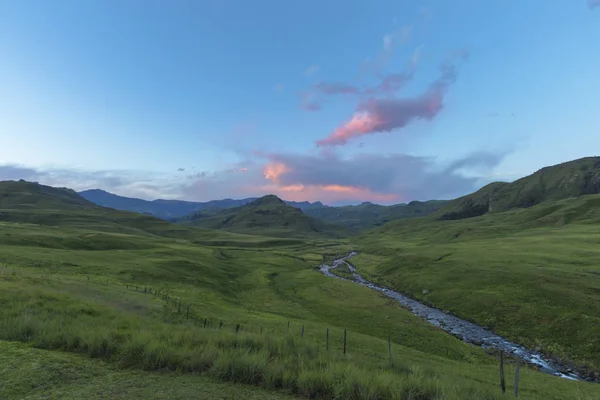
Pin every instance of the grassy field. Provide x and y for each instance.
(89, 286)
(532, 275)
(73, 298)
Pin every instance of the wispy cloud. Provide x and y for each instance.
(593, 4)
(311, 70)
(377, 115)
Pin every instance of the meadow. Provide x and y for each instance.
(69, 293)
(532, 275)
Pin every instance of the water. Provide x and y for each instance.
(467, 331)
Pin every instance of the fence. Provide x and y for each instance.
(207, 322)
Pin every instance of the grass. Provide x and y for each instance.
(268, 216)
(531, 275)
(66, 279)
(30, 373)
(75, 301)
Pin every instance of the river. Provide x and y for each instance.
(467, 331)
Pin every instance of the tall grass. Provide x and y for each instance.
(56, 321)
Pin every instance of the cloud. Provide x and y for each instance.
(309, 101)
(180, 169)
(125, 183)
(326, 177)
(390, 42)
(390, 84)
(593, 4)
(310, 71)
(376, 115)
(373, 177)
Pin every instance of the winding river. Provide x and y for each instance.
(467, 331)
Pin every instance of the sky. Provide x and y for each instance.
(339, 101)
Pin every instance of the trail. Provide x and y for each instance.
(467, 331)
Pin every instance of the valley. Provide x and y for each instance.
(245, 295)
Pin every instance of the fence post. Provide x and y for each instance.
(390, 348)
(220, 324)
(502, 382)
(517, 367)
(302, 330)
(327, 339)
(237, 328)
(187, 314)
(288, 329)
(344, 341)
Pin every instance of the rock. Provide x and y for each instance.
(425, 291)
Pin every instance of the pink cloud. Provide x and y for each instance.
(384, 115)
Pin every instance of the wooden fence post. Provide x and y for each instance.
(237, 328)
(390, 348)
(327, 339)
(302, 330)
(517, 367)
(502, 382)
(344, 341)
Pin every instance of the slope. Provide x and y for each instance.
(172, 209)
(531, 274)
(369, 215)
(31, 203)
(267, 215)
(569, 179)
(111, 308)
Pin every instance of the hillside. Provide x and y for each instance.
(530, 274)
(570, 179)
(267, 215)
(261, 320)
(369, 215)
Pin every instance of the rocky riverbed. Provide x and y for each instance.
(467, 331)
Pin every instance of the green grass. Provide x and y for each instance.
(75, 301)
(268, 216)
(66, 279)
(531, 275)
(30, 373)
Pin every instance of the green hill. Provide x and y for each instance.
(369, 215)
(569, 179)
(530, 274)
(267, 215)
(94, 292)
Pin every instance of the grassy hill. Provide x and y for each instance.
(267, 215)
(531, 274)
(93, 317)
(369, 215)
(569, 179)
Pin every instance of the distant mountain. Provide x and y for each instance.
(368, 215)
(569, 179)
(172, 209)
(268, 215)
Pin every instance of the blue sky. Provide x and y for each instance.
(339, 101)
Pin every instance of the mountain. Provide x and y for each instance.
(172, 209)
(266, 215)
(25, 195)
(569, 179)
(164, 209)
(369, 215)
